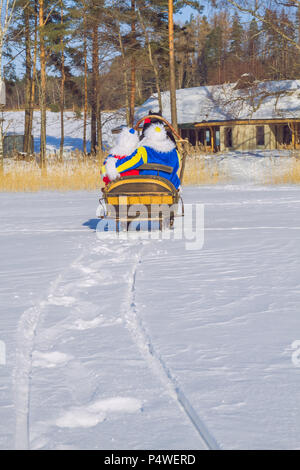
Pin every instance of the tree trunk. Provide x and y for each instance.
(62, 90)
(172, 68)
(99, 123)
(33, 78)
(85, 107)
(133, 68)
(125, 77)
(132, 92)
(28, 82)
(98, 107)
(42, 86)
(94, 100)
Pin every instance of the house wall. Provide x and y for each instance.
(244, 137)
(287, 137)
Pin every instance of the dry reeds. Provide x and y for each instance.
(200, 170)
(289, 175)
(81, 173)
(67, 176)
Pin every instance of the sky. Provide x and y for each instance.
(208, 11)
(188, 11)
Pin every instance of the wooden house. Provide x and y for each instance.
(241, 116)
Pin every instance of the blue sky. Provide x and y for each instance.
(208, 11)
(186, 13)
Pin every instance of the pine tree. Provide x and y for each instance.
(253, 45)
(95, 14)
(236, 38)
(204, 29)
(253, 39)
(79, 30)
(212, 53)
(27, 12)
(23, 36)
(287, 63)
(42, 91)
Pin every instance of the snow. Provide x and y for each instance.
(146, 344)
(73, 129)
(90, 416)
(259, 166)
(265, 100)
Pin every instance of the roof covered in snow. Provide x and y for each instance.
(261, 100)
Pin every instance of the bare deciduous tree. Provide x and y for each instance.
(258, 8)
(172, 67)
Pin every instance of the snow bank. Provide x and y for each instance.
(258, 167)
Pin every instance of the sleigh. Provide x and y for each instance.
(145, 201)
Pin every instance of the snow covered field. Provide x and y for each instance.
(144, 344)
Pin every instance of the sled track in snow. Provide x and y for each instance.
(27, 328)
(22, 372)
(158, 366)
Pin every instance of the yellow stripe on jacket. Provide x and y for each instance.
(139, 158)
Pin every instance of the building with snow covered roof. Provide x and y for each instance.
(237, 116)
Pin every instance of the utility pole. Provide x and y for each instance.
(172, 68)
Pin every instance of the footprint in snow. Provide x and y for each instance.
(50, 359)
(97, 412)
(84, 269)
(64, 300)
(88, 283)
(81, 324)
(87, 325)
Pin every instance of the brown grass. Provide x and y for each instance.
(199, 170)
(291, 175)
(84, 174)
(68, 176)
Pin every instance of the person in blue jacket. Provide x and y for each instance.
(155, 147)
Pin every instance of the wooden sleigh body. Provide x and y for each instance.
(144, 198)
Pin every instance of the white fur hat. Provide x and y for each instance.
(157, 138)
(127, 141)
